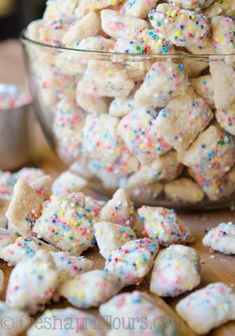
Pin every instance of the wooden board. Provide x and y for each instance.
(215, 266)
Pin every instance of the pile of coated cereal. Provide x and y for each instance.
(135, 107)
(50, 225)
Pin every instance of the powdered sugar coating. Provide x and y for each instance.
(176, 270)
(23, 247)
(164, 225)
(66, 223)
(149, 319)
(212, 305)
(132, 261)
(163, 82)
(74, 321)
(212, 155)
(119, 210)
(90, 289)
(221, 238)
(183, 119)
(70, 266)
(139, 132)
(184, 28)
(40, 275)
(117, 25)
(226, 118)
(110, 237)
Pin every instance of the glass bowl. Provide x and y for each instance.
(100, 112)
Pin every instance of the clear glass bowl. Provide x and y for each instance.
(108, 162)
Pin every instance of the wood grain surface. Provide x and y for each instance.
(215, 266)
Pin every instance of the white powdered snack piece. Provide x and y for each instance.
(132, 261)
(68, 182)
(221, 238)
(70, 266)
(40, 275)
(208, 308)
(166, 19)
(6, 238)
(19, 320)
(85, 6)
(110, 237)
(204, 87)
(141, 309)
(138, 8)
(176, 270)
(97, 43)
(91, 103)
(90, 289)
(24, 209)
(222, 34)
(139, 131)
(66, 223)
(117, 25)
(183, 119)
(88, 25)
(211, 155)
(224, 7)
(166, 168)
(105, 79)
(42, 186)
(163, 82)
(60, 9)
(226, 118)
(120, 107)
(164, 225)
(143, 41)
(22, 248)
(119, 209)
(183, 189)
(223, 77)
(68, 124)
(73, 322)
(192, 4)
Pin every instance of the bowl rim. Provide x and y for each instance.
(24, 39)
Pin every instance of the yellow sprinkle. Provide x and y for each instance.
(177, 265)
(177, 34)
(191, 28)
(139, 262)
(80, 295)
(62, 213)
(159, 44)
